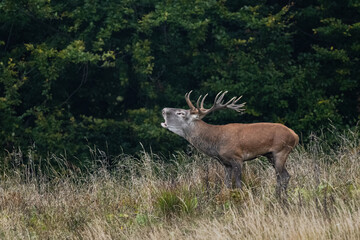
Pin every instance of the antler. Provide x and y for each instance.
(218, 104)
(187, 99)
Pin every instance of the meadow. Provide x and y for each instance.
(182, 196)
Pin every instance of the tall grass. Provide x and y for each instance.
(182, 197)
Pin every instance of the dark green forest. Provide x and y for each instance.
(83, 74)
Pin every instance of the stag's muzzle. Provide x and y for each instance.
(164, 124)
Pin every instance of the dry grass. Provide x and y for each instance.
(144, 198)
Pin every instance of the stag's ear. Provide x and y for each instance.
(195, 116)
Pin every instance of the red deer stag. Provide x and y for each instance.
(234, 143)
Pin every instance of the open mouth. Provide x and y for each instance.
(164, 124)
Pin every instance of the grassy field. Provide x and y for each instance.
(185, 198)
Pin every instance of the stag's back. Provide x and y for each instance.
(251, 140)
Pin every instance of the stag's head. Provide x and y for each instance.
(178, 120)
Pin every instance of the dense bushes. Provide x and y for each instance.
(85, 73)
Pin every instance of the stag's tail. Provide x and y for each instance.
(296, 137)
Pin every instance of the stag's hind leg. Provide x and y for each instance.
(282, 175)
(228, 176)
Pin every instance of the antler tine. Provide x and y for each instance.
(187, 99)
(197, 102)
(219, 100)
(230, 101)
(202, 101)
(237, 99)
(217, 96)
(236, 107)
(187, 95)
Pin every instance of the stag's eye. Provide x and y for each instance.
(180, 114)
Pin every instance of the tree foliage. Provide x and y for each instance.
(87, 72)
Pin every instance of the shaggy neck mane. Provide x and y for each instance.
(204, 137)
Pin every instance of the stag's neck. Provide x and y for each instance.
(204, 137)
